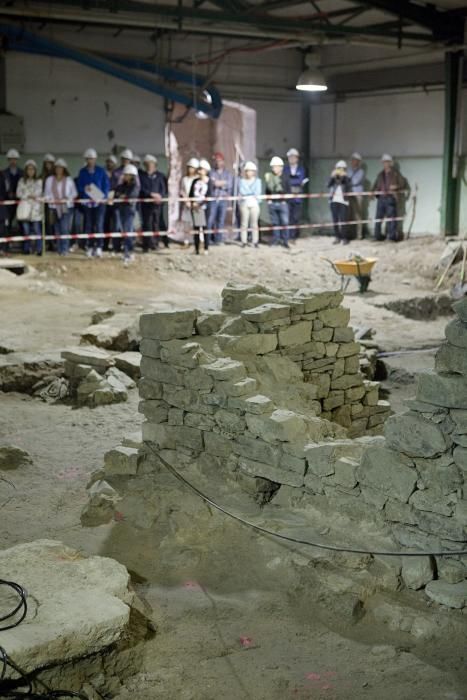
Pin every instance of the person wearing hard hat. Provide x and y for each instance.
(60, 192)
(249, 190)
(278, 183)
(12, 175)
(298, 177)
(200, 190)
(153, 187)
(111, 163)
(29, 211)
(190, 176)
(221, 188)
(356, 175)
(48, 163)
(386, 187)
(339, 187)
(3, 214)
(93, 185)
(128, 190)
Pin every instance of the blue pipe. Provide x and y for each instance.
(23, 40)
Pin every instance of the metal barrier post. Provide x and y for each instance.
(43, 229)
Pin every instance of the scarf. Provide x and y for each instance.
(58, 192)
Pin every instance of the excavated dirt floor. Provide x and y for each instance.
(230, 624)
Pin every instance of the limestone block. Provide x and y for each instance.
(373, 496)
(460, 458)
(460, 419)
(335, 399)
(344, 472)
(162, 372)
(324, 335)
(352, 364)
(150, 348)
(155, 411)
(78, 371)
(335, 318)
(348, 349)
(257, 299)
(319, 429)
(342, 416)
(133, 439)
(291, 463)
(344, 335)
(358, 426)
(273, 326)
(387, 471)
(129, 362)
(217, 445)
(100, 508)
(439, 474)
(229, 423)
(451, 570)
(318, 325)
(417, 572)
(226, 369)
(441, 526)
(356, 393)
(410, 433)
(281, 369)
(149, 388)
(209, 322)
(248, 446)
(237, 326)
(198, 380)
(12, 457)
(116, 377)
(459, 439)
(200, 421)
(171, 437)
(357, 411)
(398, 512)
(456, 333)
(453, 595)
(266, 312)
(117, 333)
(315, 351)
(184, 353)
(451, 358)
(331, 349)
(347, 381)
(376, 420)
(267, 471)
(317, 299)
(382, 406)
(233, 296)
(448, 390)
(88, 355)
(322, 383)
(460, 307)
(258, 344)
(281, 425)
(372, 397)
(121, 460)
(175, 416)
(433, 502)
(326, 364)
(296, 334)
(258, 404)
(165, 325)
(339, 368)
(322, 456)
(242, 388)
(79, 606)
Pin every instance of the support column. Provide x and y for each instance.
(452, 129)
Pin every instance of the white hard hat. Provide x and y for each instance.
(112, 159)
(49, 158)
(292, 152)
(29, 162)
(12, 153)
(275, 160)
(148, 158)
(127, 154)
(386, 157)
(341, 164)
(90, 153)
(136, 158)
(205, 164)
(130, 170)
(61, 162)
(356, 156)
(249, 165)
(193, 163)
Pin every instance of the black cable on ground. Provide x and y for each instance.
(294, 540)
(21, 606)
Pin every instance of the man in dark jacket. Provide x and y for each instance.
(3, 246)
(298, 177)
(387, 184)
(277, 182)
(12, 175)
(153, 186)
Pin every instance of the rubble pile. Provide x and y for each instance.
(93, 378)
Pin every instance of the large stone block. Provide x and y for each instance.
(417, 571)
(335, 318)
(150, 348)
(460, 307)
(451, 358)
(387, 471)
(267, 471)
(266, 312)
(226, 369)
(348, 349)
(317, 299)
(347, 381)
(453, 595)
(439, 474)
(281, 425)
(198, 380)
(121, 460)
(117, 333)
(433, 502)
(460, 419)
(88, 355)
(162, 372)
(129, 362)
(460, 457)
(322, 456)
(410, 433)
(456, 333)
(165, 325)
(234, 295)
(217, 445)
(229, 423)
(237, 325)
(170, 437)
(209, 322)
(296, 334)
(183, 353)
(260, 451)
(448, 390)
(155, 411)
(253, 344)
(344, 335)
(149, 388)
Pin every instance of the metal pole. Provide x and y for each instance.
(43, 230)
(452, 110)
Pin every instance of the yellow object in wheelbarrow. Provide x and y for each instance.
(357, 267)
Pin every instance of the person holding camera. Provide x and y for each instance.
(339, 186)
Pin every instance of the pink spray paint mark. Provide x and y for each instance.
(69, 474)
(313, 677)
(246, 642)
(118, 517)
(192, 586)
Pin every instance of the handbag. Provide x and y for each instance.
(24, 210)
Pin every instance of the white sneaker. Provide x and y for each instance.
(126, 262)
(131, 258)
(99, 252)
(206, 252)
(89, 252)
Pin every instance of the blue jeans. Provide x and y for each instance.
(216, 219)
(62, 229)
(340, 215)
(279, 214)
(128, 218)
(295, 215)
(32, 228)
(94, 223)
(386, 209)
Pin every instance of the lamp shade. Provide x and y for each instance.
(311, 80)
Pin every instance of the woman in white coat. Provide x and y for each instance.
(30, 211)
(60, 193)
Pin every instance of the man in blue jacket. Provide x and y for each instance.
(298, 178)
(93, 185)
(153, 186)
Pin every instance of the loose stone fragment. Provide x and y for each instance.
(417, 571)
(453, 595)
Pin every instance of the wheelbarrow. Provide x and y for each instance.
(354, 267)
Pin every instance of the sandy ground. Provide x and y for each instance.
(246, 638)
